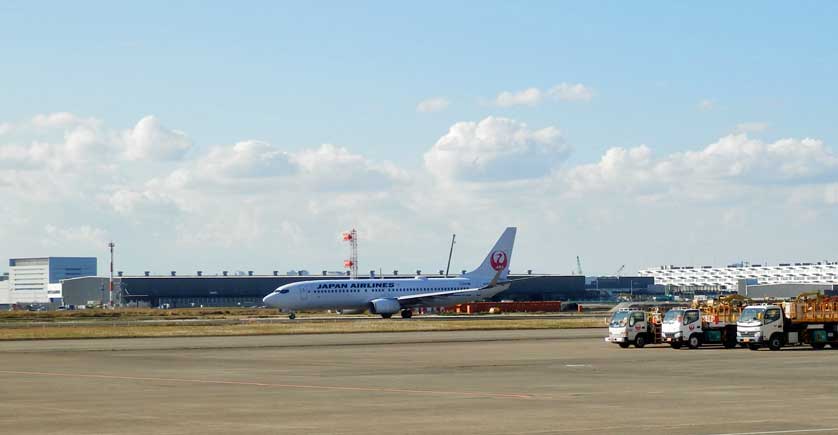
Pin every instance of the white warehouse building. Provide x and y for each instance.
(37, 280)
(729, 277)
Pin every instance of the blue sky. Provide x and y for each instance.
(674, 77)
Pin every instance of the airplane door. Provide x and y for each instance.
(304, 292)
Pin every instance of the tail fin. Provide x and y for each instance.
(496, 263)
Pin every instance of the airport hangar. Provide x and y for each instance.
(176, 291)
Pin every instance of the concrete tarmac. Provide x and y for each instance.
(488, 382)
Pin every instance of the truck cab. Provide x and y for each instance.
(696, 327)
(631, 326)
(759, 325)
(682, 325)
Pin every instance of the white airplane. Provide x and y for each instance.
(390, 296)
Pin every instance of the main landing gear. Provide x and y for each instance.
(406, 314)
(292, 316)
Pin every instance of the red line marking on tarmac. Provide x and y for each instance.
(265, 384)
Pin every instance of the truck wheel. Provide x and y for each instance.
(818, 346)
(694, 341)
(775, 342)
(624, 344)
(640, 341)
(729, 344)
(753, 346)
(675, 345)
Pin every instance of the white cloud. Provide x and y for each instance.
(571, 92)
(149, 140)
(149, 199)
(247, 159)
(751, 127)
(435, 104)
(59, 120)
(733, 162)
(84, 235)
(831, 194)
(262, 206)
(533, 96)
(495, 149)
(706, 104)
(60, 141)
(336, 168)
(527, 97)
(252, 165)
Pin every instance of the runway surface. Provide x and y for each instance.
(490, 382)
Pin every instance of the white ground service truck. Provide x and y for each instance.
(809, 319)
(692, 327)
(633, 326)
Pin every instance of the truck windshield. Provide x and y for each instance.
(619, 319)
(751, 314)
(673, 316)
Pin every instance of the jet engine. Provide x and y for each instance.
(351, 311)
(385, 306)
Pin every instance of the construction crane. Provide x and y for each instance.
(578, 266)
(617, 273)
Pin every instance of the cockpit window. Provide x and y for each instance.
(283, 291)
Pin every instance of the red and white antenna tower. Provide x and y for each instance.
(352, 262)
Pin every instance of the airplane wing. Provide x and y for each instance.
(436, 297)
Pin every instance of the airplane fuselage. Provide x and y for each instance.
(356, 294)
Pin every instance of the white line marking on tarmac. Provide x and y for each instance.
(780, 431)
(265, 384)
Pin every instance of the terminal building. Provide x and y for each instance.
(733, 277)
(176, 291)
(57, 281)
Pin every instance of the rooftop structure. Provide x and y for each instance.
(728, 277)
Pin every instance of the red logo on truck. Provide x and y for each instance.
(498, 260)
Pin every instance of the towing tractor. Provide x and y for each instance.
(633, 326)
(707, 322)
(811, 319)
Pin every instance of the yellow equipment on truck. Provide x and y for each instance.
(811, 318)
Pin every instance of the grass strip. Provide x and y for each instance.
(324, 327)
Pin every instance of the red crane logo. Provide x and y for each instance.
(498, 260)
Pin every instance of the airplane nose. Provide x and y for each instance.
(267, 299)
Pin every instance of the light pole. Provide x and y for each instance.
(110, 279)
